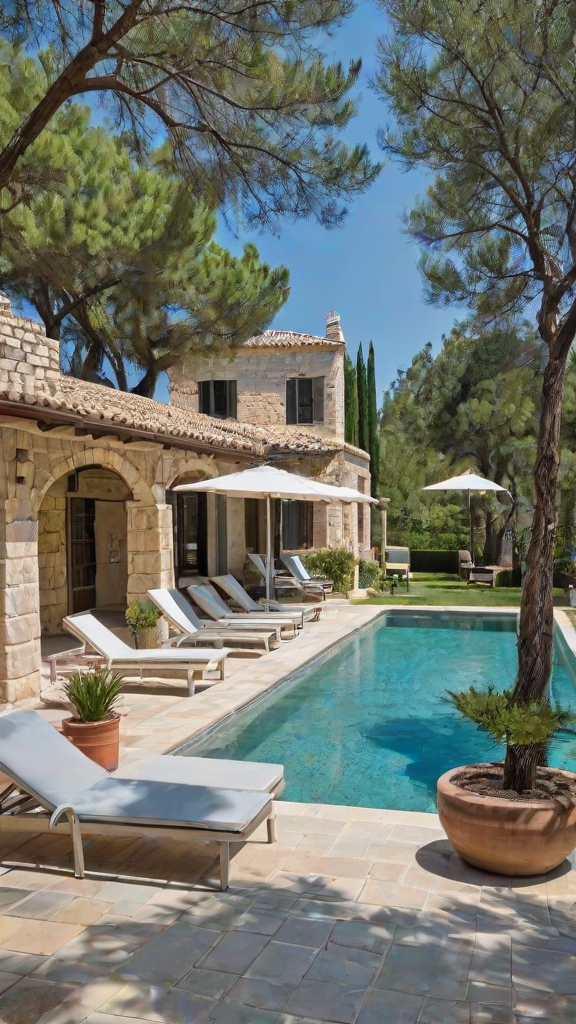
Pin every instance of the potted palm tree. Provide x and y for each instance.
(142, 619)
(496, 816)
(95, 725)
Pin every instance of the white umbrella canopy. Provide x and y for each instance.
(468, 482)
(269, 482)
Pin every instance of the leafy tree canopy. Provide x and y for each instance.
(119, 261)
(240, 88)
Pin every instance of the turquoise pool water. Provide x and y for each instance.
(369, 726)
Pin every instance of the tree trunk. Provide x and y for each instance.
(71, 82)
(535, 635)
(146, 386)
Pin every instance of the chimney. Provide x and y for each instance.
(333, 328)
(29, 361)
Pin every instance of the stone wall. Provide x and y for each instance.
(261, 375)
(52, 559)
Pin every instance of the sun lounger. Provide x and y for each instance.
(235, 590)
(179, 613)
(282, 581)
(311, 584)
(54, 788)
(117, 655)
(482, 574)
(212, 604)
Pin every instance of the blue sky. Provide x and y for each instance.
(367, 269)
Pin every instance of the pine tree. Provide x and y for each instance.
(362, 400)
(373, 432)
(240, 89)
(120, 263)
(350, 402)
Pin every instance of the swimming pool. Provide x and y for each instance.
(369, 725)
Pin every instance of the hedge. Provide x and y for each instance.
(434, 561)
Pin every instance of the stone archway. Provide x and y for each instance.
(82, 545)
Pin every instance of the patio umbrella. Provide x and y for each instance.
(467, 482)
(269, 482)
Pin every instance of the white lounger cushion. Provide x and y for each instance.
(210, 602)
(40, 760)
(236, 591)
(205, 771)
(161, 804)
(113, 648)
(178, 612)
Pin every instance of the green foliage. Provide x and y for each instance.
(369, 575)
(350, 402)
(256, 130)
(373, 433)
(93, 694)
(120, 263)
(336, 564)
(505, 720)
(362, 386)
(142, 615)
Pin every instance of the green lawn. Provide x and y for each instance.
(439, 589)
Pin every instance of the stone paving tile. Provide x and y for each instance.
(334, 965)
(443, 1011)
(282, 962)
(81, 911)
(156, 1003)
(214, 984)
(440, 973)
(28, 1000)
(262, 994)
(171, 955)
(41, 905)
(10, 896)
(303, 932)
(370, 937)
(327, 1000)
(29, 936)
(235, 952)
(390, 1008)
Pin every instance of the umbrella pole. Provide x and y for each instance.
(269, 553)
(471, 525)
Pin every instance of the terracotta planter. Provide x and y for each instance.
(507, 837)
(100, 741)
(148, 638)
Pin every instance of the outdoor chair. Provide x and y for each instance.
(117, 655)
(210, 602)
(179, 613)
(55, 788)
(464, 564)
(397, 563)
(482, 574)
(282, 580)
(311, 584)
(237, 593)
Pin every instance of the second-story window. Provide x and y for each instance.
(218, 398)
(305, 400)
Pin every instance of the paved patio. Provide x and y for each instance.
(355, 915)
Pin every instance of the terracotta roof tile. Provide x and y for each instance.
(289, 339)
(118, 408)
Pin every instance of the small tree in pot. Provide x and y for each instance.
(95, 727)
(142, 620)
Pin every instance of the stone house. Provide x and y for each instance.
(88, 517)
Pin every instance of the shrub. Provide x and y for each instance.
(142, 615)
(369, 575)
(93, 694)
(509, 578)
(336, 564)
(506, 720)
(434, 561)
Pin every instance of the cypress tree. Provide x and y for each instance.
(373, 434)
(350, 402)
(362, 400)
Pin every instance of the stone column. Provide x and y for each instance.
(149, 543)
(384, 503)
(19, 606)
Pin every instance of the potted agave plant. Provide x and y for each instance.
(493, 820)
(95, 725)
(142, 620)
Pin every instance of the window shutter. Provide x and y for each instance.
(204, 396)
(232, 399)
(291, 403)
(318, 400)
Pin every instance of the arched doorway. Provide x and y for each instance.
(82, 545)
